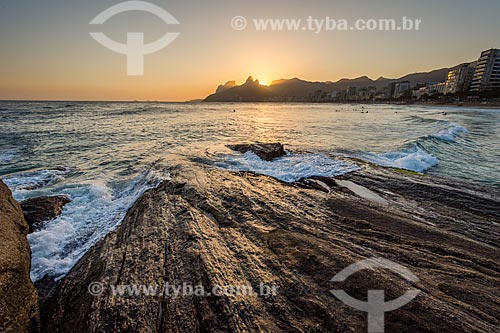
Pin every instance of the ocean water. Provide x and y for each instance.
(105, 155)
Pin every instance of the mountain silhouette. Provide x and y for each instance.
(297, 90)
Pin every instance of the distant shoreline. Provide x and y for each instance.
(488, 105)
(479, 105)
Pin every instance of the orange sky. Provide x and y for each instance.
(47, 52)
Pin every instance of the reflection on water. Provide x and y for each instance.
(108, 138)
(103, 155)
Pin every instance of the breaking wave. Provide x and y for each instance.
(450, 132)
(31, 180)
(289, 168)
(95, 209)
(413, 158)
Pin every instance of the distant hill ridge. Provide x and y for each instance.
(300, 90)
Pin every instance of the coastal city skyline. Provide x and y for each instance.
(51, 56)
(469, 81)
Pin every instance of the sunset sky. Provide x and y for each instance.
(47, 52)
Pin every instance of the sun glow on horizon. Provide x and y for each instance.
(57, 59)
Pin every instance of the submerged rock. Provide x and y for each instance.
(39, 210)
(266, 151)
(211, 227)
(18, 296)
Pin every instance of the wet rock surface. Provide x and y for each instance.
(40, 210)
(266, 151)
(18, 296)
(212, 227)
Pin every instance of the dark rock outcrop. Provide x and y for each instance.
(211, 227)
(39, 210)
(18, 296)
(266, 151)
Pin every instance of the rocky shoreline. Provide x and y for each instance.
(38, 211)
(211, 227)
(19, 310)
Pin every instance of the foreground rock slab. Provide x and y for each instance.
(266, 151)
(39, 210)
(216, 228)
(18, 296)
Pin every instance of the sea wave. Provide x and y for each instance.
(450, 132)
(289, 168)
(8, 155)
(95, 210)
(34, 179)
(443, 130)
(413, 158)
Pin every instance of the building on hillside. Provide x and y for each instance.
(352, 94)
(363, 94)
(420, 92)
(381, 95)
(372, 92)
(437, 88)
(487, 74)
(459, 79)
(390, 90)
(400, 88)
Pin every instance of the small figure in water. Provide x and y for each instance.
(234, 110)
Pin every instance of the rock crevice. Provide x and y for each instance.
(211, 227)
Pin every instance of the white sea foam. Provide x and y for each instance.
(414, 158)
(95, 210)
(450, 132)
(288, 168)
(34, 179)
